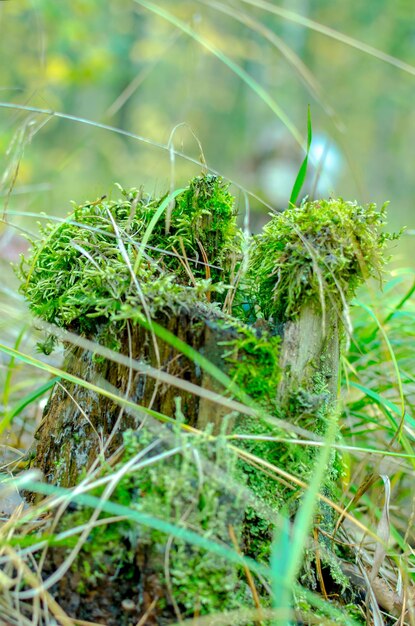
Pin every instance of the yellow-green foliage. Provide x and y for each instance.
(92, 265)
(324, 247)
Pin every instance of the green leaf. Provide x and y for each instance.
(24, 402)
(281, 556)
(299, 181)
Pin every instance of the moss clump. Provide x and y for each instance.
(254, 365)
(173, 490)
(254, 361)
(203, 221)
(93, 264)
(253, 357)
(93, 272)
(326, 246)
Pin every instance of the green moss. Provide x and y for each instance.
(254, 365)
(91, 266)
(203, 221)
(313, 615)
(253, 358)
(326, 246)
(174, 490)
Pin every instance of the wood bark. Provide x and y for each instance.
(310, 346)
(77, 422)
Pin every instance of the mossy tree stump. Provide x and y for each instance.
(77, 423)
(116, 267)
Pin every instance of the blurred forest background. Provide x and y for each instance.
(125, 65)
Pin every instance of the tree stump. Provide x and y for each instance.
(177, 261)
(77, 423)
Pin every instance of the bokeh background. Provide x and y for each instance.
(226, 82)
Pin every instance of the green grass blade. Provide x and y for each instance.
(391, 352)
(299, 181)
(129, 134)
(221, 377)
(24, 402)
(205, 543)
(281, 551)
(304, 517)
(401, 303)
(10, 369)
(383, 402)
(278, 44)
(389, 407)
(148, 520)
(157, 215)
(46, 367)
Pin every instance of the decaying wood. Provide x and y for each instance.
(310, 346)
(77, 422)
(80, 427)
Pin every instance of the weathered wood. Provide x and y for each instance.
(77, 423)
(310, 346)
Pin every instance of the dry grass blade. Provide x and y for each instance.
(249, 578)
(288, 53)
(383, 531)
(132, 87)
(247, 616)
(239, 71)
(37, 586)
(375, 613)
(22, 137)
(125, 133)
(278, 473)
(333, 34)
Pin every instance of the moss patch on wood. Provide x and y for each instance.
(179, 489)
(93, 266)
(322, 250)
